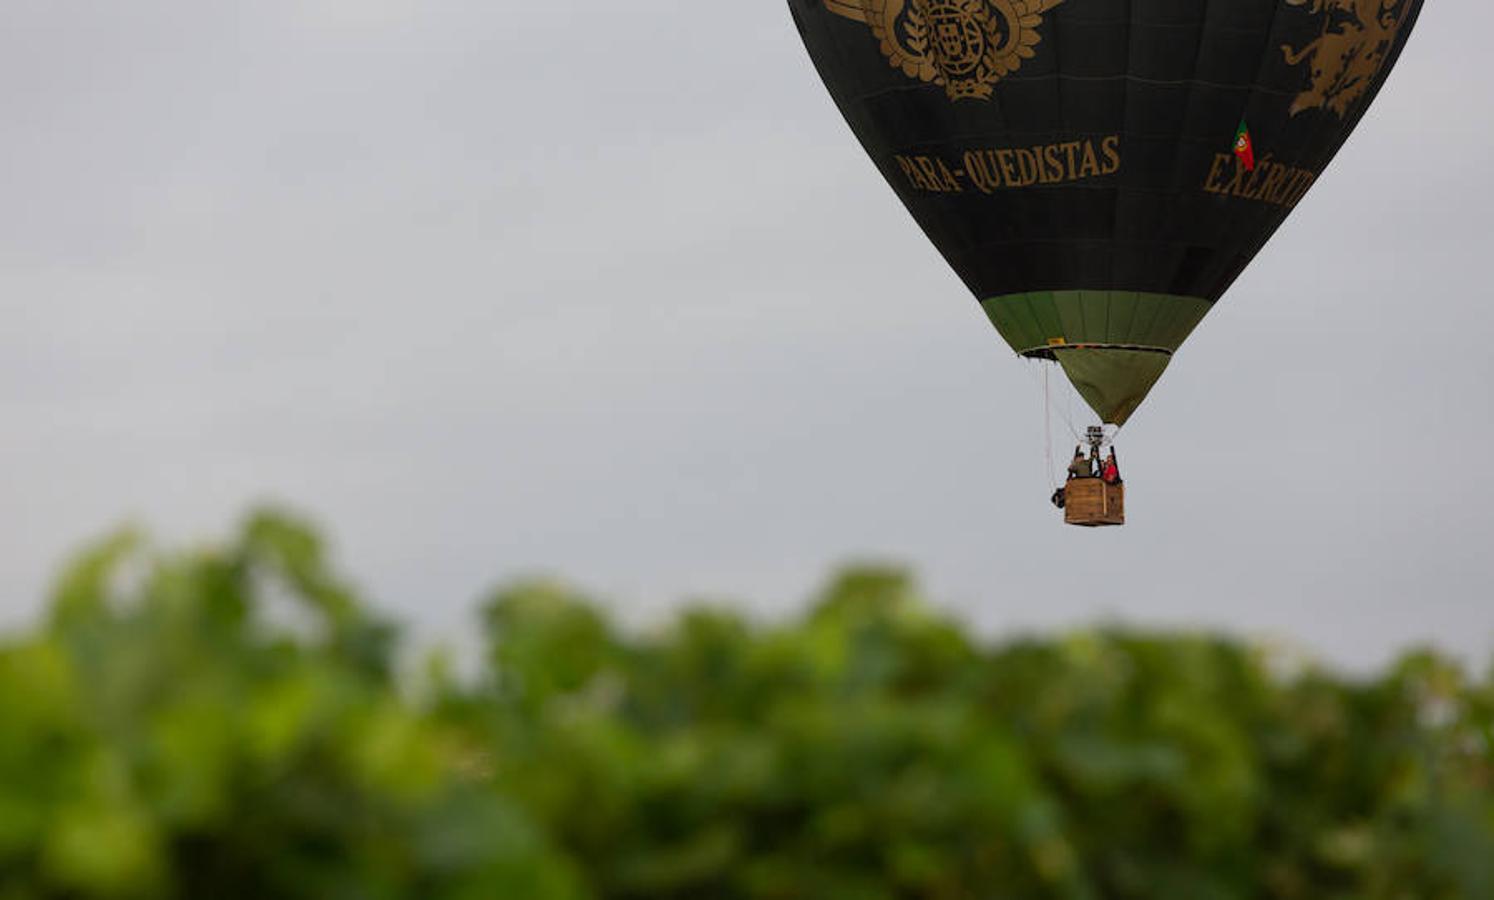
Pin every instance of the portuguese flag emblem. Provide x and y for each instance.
(1244, 147)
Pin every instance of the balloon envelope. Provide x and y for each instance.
(1098, 172)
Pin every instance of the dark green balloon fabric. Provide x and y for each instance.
(1076, 161)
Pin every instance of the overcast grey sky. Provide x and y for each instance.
(608, 290)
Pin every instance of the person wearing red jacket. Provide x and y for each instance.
(1111, 472)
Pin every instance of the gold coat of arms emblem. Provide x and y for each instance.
(1348, 54)
(966, 46)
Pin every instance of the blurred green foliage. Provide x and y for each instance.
(237, 723)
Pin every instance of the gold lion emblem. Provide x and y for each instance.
(966, 46)
(1349, 53)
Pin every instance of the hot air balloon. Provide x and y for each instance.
(1099, 172)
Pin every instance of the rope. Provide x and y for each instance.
(1050, 406)
(1048, 432)
(1068, 413)
(1068, 407)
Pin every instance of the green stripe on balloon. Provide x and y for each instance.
(1113, 345)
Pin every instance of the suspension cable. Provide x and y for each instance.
(1050, 408)
(1048, 432)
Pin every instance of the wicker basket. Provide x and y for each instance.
(1091, 502)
